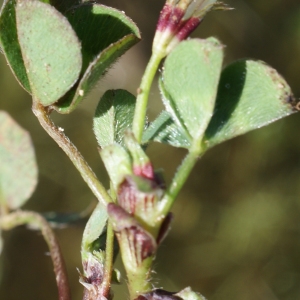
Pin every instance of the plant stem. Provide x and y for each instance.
(36, 221)
(109, 256)
(72, 152)
(109, 251)
(143, 95)
(179, 179)
(139, 279)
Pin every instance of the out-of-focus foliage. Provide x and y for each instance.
(18, 169)
(236, 232)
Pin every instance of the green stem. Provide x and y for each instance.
(143, 95)
(72, 152)
(139, 279)
(179, 179)
(109, 256)
(109, 252)
(36, 221)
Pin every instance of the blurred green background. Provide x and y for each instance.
(236, 232)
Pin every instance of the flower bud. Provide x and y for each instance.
(93, 266)
(178, 19)
(140, 196)
(136, 243)
(136, 218)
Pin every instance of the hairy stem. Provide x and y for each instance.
(139, 279)
(72, 152)
(143, 95)
(36, 221)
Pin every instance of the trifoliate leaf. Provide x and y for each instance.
(106, 34)
(10, 43)
(189, 83)
(50, 49)
(251, 95)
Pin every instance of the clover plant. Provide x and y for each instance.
(58, 51)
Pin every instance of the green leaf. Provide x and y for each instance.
(18, 168)
(164, 130)
(114, 115)
(251, 95)
(105, 34)
(94, 228)
(59, 220)
(50, 49)
(98, 26)
(189, 83)
(10, 44)
(92, 75)
(117, 163)
(140, 161)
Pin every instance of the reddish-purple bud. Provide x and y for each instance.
(164, 17)
(136, 243)
(175, 19)
(187, 28)
(144, 171)
(178, 19)
(139, 196)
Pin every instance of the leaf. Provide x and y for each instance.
(10, 44)
(189, 83)
(92, 75)
(250, 95)
(98, 26)
(164, 130)
(141, 163)
(94, 228)
(50, 49)
(60, 220)
(117, 163)
(114, 114)
(105, 34)
(18, 168)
